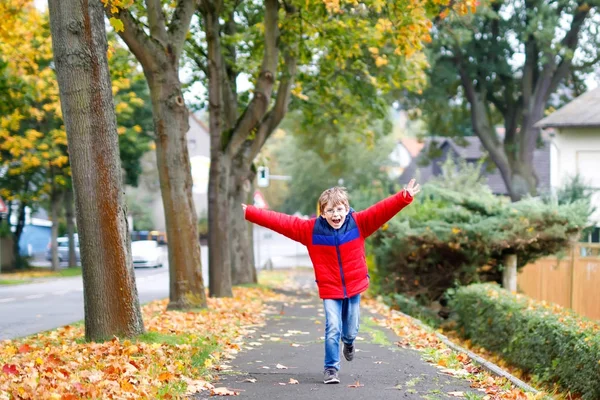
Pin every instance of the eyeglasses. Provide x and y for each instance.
(339, 210)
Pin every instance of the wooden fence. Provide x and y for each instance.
(571, 281)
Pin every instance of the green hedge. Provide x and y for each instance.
(552, 343)
(411, 307)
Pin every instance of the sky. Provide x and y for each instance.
(41, 4)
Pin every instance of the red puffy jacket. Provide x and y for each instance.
(338, 255)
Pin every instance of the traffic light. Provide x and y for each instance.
(262, 178)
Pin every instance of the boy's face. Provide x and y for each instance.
(335, 214)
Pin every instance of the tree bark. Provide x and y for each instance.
(540, 79)
(70, 214)
(174, 171)
(55, 199)
(243, 270)
(234, 147)
(19, 261)
(159, 54)
(219, 256)
(80, 53)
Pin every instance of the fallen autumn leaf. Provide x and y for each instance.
(356, 384)
(223, 391)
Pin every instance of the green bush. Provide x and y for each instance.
(411, 307)
(457, 232)
(554, 344)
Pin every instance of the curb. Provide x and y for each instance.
(480, 360)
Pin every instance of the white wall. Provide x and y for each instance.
(577, 151)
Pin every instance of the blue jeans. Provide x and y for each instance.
(341, 320)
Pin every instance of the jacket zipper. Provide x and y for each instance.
(337, 249)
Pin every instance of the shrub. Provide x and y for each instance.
(457, 232)
(553, 343)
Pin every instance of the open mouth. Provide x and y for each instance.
(336, 220)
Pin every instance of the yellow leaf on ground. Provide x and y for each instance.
(223, 391)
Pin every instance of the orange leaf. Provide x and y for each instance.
(25, 348)
(10, 369)
(357, 384)
(165, 377)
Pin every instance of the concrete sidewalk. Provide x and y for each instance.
(290, 348)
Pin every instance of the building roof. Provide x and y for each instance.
(583, 112)
(413, 145)
(472, 151)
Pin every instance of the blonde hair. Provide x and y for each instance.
(336, 195)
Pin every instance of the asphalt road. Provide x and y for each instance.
(36, 307)
(290, 347)
(31, 308)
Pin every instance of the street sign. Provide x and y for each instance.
(3, 208)
(262, 177)
(259, 200)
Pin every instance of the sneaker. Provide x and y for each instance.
(331, 376)
(349, 351)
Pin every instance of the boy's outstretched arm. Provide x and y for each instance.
(374, 217)
(295, 228)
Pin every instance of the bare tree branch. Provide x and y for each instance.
(230, 98)
(141, 45)
(276, 114)
(210, 13)
(200, 63)
(264, 86)
(156, 21)
(480, 120)
(570, 41)
(179, 25)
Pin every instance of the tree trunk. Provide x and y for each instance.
(219, 255)
(80, 53)
(19, 261)
(55, 199)
(70, 214)
(235, 141)
(174, 171)
(158, 50)
(243, 270)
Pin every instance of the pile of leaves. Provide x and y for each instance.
(174, 358)
(457, 232)
(543, 339)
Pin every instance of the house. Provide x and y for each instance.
(469, 148)
(148, 193)
(574, 132)
(402, 155)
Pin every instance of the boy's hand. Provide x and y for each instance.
(244, 206)
(412, 188)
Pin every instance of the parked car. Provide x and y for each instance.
(147, 253)
(63, 249)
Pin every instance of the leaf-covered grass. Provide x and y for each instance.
(177, 355)
(10, 281)
(32, 273)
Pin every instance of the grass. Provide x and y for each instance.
(378, 336)
(10, 282)
(30, 274)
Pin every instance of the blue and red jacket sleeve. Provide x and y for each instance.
(295, 228)
(374, 217)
